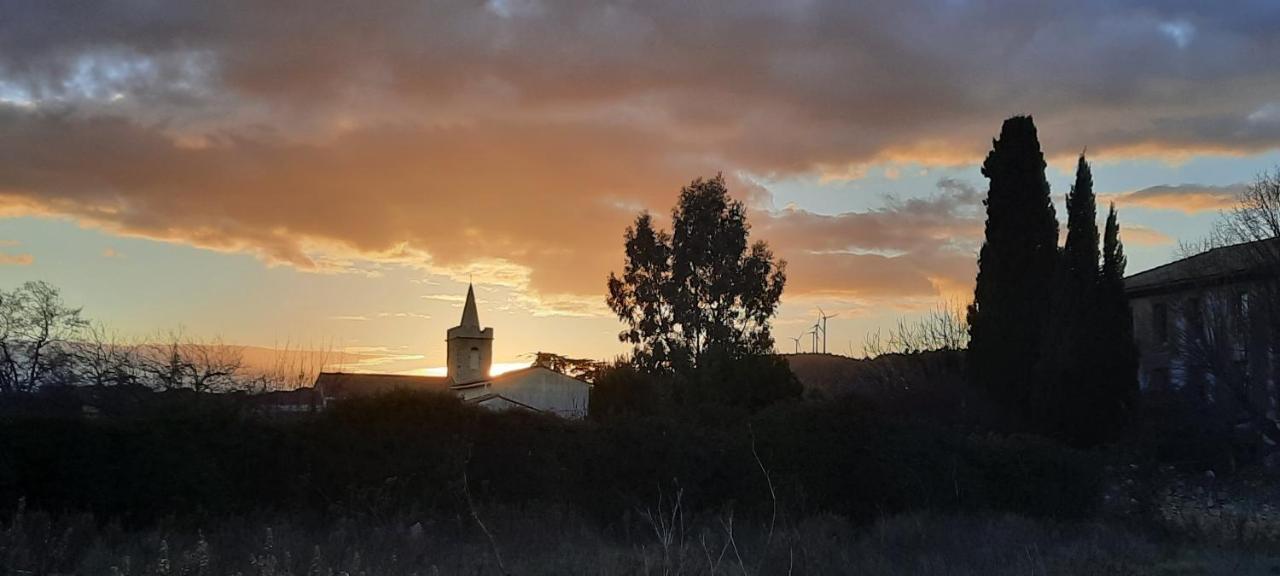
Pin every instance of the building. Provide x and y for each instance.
(282, 402)
(1204, 327)
(469, 359)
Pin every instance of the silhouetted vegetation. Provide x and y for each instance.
(1085, 387)
(584, 369)
(1227, 335)
(1116, 395)
(702, 291)
(942, 328)
(1051, 336)
(37, 331)
(552, 541)
(697, 305)
(1015, 269)
(698, 445)
(44, 343)
(408, 453)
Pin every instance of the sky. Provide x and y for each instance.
(331, 174)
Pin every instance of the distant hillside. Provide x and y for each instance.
(831, 375)
(827, 374)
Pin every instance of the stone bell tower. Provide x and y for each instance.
(470, 347)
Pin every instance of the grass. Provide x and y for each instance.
(540, 540)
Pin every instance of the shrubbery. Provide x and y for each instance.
(408, 452)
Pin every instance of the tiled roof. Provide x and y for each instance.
(1216, 265)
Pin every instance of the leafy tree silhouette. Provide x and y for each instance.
(704, 289)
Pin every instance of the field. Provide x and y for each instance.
(548, 540)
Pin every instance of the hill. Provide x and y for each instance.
(828, 375)
(888, 375)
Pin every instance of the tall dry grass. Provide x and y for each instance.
(661, 540)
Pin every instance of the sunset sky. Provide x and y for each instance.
(331, 174)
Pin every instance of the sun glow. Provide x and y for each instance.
(496, 369)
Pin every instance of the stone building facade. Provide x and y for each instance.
(1205, 329)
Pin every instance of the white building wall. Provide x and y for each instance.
(545, 390)
(538, 388)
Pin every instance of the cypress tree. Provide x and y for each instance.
(1015, 268)
(1080, 251)
(1113, 260)
(1069, 359)
(1119, 384)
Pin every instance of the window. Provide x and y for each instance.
(1160, 322)
(475, 358)
(1242, 307)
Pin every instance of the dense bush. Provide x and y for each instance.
(407, 452)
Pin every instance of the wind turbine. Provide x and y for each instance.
(823, 317)
(796, 339)
(814, 332)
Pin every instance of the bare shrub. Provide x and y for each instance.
(36, 332)
(177, 361)
(1227, 334)
(941, 328)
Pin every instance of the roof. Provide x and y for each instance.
(1219, 265)
(284, 397)
(490, 397)
(336, 384)
(469, 327)
(507, 376)
(470, 317)
(333, 384)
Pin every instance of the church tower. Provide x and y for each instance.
(470, 348)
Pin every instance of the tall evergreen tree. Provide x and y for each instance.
(1119, 387)
(1080, 251)
(1068, 368)
(1015, 267)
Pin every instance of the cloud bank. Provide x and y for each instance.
(516, 138)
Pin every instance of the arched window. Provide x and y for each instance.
(475, 358)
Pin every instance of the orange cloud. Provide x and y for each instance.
(7, 259)
(1186, 198)
(1143, 236)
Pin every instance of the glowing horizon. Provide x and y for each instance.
(498, 368)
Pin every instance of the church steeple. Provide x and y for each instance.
(470, 346)
(470, 317)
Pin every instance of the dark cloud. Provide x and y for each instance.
(768, 86)
(916, 247)
(455, 133)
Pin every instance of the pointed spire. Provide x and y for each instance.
(469, 315)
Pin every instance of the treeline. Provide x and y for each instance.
(421, 454)
(1051, 335)
(1048, 336)
(44, 343)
